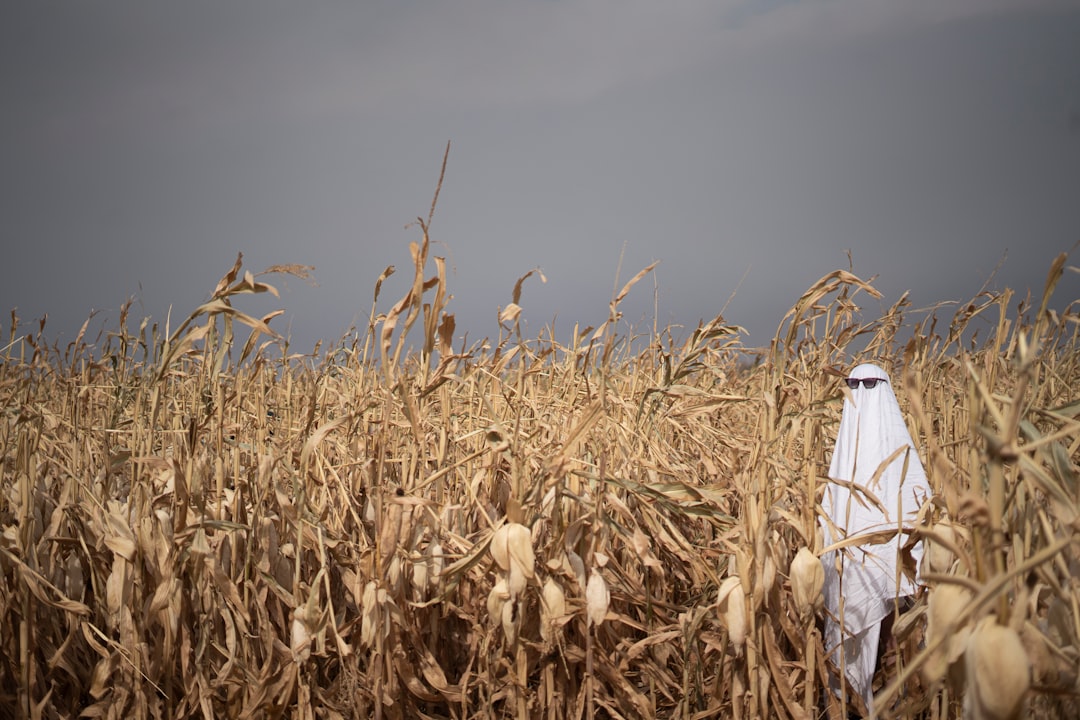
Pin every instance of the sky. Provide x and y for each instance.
(750, 147)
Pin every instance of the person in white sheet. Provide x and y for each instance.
(868, 495)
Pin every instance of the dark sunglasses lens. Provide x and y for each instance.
(853, 383)
(869, 383)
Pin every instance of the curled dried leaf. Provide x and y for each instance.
(597, 598)
(511, 548)
(509, 621)
(642, 547)
(552, 607)
(731, 602)
(498, 596)
(938, 557)
(510, 313)
(369, 619)
(946, 603)
(807, 580)
(768, 574)
(500, 547)
(576, 567)
(519, 543)
(998, 672)
(435, 563)
(419, 578)
(300, 638)
(516, 580)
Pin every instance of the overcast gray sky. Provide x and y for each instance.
(745, 145)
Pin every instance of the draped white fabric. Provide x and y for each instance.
(863, 580)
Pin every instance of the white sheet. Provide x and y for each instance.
(871, 429)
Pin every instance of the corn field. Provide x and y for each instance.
(198, 524)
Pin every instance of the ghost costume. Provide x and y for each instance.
(869, 579)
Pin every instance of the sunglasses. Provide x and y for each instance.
(868, 383)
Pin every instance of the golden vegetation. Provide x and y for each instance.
(403, 529)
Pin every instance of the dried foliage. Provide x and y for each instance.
(518, 528)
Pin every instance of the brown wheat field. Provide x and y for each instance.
(197, 523)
